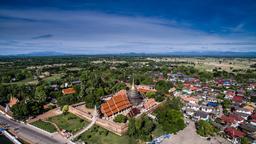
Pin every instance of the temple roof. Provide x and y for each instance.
(116, 104)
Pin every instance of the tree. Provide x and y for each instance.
(40, 94)
(20, 111)
(170, 119)
(141, 128)
(163, 86)
(120, 118)
(170, 116)
(66, 100)
(65, 109)
(131, 127)
(151, 94)
(159, 97)
(244, 140)
(204, 128)
(174, 103)
(226, 103)
(23, 109)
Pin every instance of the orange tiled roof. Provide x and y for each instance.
(149, 103)
(116, 104)
(145, 89)
(69, 91)
(13, 101)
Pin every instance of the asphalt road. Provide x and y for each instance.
(27, 132)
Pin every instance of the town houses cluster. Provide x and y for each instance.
(223, 102)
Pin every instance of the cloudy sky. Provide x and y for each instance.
(121, 26)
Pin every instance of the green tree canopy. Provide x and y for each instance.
(205, 129)
(120, 118)
(40, 94)
(163, 86)
(141, 128)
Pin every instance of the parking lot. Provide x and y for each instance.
(189, 136)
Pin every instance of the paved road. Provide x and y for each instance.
(30, 133)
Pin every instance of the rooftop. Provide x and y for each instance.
(116, 104)
(69, 91)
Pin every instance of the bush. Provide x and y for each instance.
(204, 128)
(65, 109)
(120, 118)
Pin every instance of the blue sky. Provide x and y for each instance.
(121, 26)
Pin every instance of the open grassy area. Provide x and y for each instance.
(45, 126)
(53, 77)
(97, 135)
(69, 122)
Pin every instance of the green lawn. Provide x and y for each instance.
(45, 126)
(69, 122)
(97, 135)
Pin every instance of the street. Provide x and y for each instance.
(29, 133)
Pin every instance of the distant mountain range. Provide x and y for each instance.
(39, 54)
(186, 54)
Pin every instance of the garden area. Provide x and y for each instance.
(44, 125)
(98, 135)
(69, 122)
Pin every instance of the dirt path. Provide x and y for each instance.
(46, 115)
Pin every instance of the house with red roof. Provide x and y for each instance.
(145, 88)
(230, 94)
(234, 133)
(232, 120)
(68, 91)
(150, 103)
(237, 99)
(13, 101)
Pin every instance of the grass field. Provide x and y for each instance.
(68, 122)
(45, 126)
(53, 77)
(97, 135)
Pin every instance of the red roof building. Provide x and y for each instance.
(236, 117)
(228, 119)
(234, 133)
(194, 88)
(144, 89)
(117, 103)
(133, 112)
(237, 99)
(12, 101)
(231, 119)
(187, 85)
(68, 91)
(149, 103)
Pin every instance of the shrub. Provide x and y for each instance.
(120, 118)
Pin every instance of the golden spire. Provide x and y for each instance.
(133, 85)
